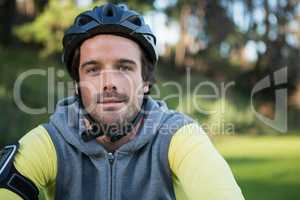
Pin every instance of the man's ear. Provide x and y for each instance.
(146, 87)
(76, 88)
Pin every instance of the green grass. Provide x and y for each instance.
(265, 167)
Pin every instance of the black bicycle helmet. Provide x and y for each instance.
(109, 19)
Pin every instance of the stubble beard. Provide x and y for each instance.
(120, 117)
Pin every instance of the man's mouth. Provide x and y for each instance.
(112, 98)
(111, 101)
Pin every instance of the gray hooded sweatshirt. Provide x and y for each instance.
(139, 169)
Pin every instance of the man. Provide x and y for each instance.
(112, 141)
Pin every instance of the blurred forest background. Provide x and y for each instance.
(220, 41)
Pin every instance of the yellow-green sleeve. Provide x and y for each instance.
(36, 159)
(8, 195)
(199, 171)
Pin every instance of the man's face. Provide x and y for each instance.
(110, 74)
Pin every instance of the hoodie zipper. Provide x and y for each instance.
(111, 159)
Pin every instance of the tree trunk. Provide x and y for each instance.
(181, 45)
(7, 16)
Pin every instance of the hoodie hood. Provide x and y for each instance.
(68, 119)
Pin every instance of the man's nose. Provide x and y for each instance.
(109, 88)
(108, 81)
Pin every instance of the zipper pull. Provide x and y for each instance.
(111, 158)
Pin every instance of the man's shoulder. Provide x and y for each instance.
(35, 135)
(37, 143)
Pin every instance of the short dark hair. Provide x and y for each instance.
(148, 68)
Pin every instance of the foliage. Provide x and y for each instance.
(48, 28)
(14, 123)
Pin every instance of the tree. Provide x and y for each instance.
(7, 16)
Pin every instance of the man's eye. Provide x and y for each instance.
(92, 70)
(124, 68)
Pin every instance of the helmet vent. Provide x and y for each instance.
(135, 20)
(149, 38)
(84, 20)
(108, 12)
(123, 6)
